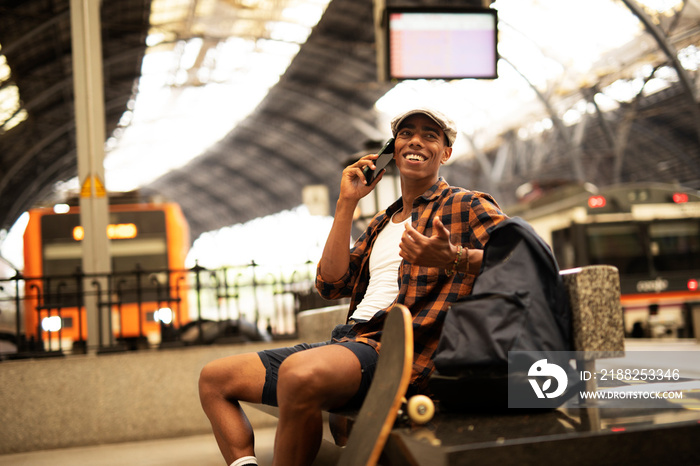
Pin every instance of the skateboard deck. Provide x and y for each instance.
(384, 398)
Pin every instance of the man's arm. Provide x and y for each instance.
(336, 253)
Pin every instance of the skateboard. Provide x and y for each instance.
(386, 397)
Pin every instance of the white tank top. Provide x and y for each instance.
(384, 262)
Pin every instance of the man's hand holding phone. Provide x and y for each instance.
(359, 179)
(385, 155)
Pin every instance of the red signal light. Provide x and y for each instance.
(680, 198)
(693, 284)
(596, 202)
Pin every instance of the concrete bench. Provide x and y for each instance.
(317, 324)
(597, 322)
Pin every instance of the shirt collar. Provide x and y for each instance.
(432, 193)
(435, 190)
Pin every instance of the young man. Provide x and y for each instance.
(424, 251)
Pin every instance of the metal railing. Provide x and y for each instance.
(47, 316)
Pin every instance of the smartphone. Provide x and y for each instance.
(386, 154)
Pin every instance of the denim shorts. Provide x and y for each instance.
(272, 359)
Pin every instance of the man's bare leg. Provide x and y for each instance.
(311, 381)
(222, 384)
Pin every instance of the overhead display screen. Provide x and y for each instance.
(441, 44)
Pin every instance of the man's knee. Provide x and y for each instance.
(297, 380)
(326, 377)
(208, 381)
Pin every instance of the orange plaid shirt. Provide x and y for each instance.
(428, 292)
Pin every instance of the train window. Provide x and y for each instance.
(619, 245)
(675, 245)
(67, 322)
(62, 257)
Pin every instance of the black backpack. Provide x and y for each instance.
(518, 303)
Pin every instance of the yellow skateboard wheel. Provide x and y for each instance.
(420, 409)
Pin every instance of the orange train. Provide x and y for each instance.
(148, 285)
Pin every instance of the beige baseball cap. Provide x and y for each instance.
(446, 124)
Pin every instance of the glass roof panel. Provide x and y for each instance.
(208, 65)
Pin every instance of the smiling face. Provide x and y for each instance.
(420, 149)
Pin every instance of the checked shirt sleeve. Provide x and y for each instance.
(343, 287)
(354, 282)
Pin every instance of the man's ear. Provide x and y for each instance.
(446, 155)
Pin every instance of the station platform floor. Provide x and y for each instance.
(199, 450)
(202, 450)
(196, 450)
